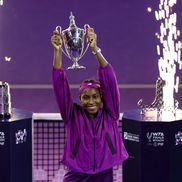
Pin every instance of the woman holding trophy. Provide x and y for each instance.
(93, 141)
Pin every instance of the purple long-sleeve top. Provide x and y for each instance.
(92, 144)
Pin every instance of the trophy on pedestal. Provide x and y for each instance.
(73, 39)
(5, 103)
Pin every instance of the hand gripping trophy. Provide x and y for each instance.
(73, 39)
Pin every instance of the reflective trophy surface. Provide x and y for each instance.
(5, 100)
(73, 39)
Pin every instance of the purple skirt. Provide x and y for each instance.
(104, 176)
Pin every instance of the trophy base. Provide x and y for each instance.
(76, 66)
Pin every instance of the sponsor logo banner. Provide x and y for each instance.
(131, 137)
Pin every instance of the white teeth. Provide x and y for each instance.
(92, 107)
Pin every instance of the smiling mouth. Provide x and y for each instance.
(91, 107)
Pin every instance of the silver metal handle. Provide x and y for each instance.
(59, 29)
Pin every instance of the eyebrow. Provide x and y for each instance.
(86, 95)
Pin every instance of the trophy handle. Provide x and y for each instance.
(85, 31)
(58, 28)
(86, 26)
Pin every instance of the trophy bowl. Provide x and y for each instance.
(73, 40)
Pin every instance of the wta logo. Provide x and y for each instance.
(155, 138)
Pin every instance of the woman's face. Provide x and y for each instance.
(90, 99)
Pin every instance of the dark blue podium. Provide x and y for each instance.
(16, 147)
(154, 147)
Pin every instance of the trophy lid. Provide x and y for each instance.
(72, 21)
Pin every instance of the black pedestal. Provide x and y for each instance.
(16, 147)
(154, 147)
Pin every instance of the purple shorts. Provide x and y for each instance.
(104, 176)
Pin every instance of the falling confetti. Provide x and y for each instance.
(149, 9)
(1, 2)
(169, 52)
(6, 58)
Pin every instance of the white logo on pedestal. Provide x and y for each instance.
(21, 136)
(132, 137)
(155, 139)
(178, 138)
(2, 138)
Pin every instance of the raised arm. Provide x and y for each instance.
(60, 82)
(56, 42)
(92, 40)
(107, 77)
(110, 90)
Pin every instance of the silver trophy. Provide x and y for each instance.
(73, 39)
(5, 100)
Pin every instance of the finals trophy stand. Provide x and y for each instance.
(153, 134)
(153, 138)
(154, 147)
(15, 140)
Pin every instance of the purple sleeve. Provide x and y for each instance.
(62, 93)
(110, 90)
